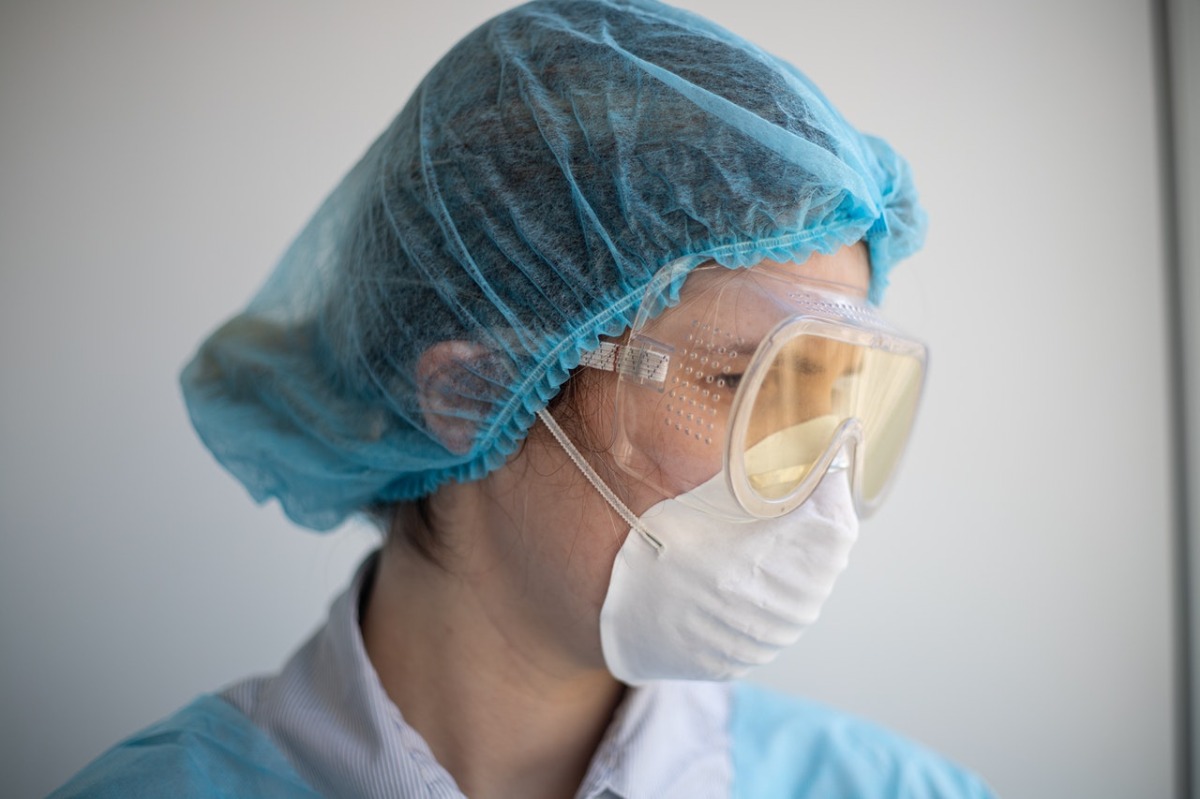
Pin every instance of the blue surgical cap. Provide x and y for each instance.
(514, 212)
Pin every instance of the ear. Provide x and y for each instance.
(451, 389)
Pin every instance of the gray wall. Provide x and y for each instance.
(1010, 606)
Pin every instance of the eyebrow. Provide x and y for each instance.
(811, 367)
(803, 365)
(807, 366)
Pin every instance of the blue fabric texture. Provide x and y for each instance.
(782, 748)
(514, 212)
(788, 748)
(208, 749)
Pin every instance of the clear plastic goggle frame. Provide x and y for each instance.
(766, 376)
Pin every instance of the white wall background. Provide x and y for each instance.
(1010, 607)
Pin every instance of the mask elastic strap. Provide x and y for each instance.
(595, 479)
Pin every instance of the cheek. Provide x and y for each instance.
(691, 461)
(668, 442)
(568, 535)
(576, 577)
(589, 570)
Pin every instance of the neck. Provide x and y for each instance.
(501, 708)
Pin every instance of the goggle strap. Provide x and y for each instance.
(634, 523)
(642, 364)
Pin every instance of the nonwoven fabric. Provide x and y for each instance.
(516, 208)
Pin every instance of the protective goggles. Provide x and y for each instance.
(768, 376)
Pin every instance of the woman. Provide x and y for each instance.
(590, 330)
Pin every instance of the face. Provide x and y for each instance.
(554, 538)
(670, 431)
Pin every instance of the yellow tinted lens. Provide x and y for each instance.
(796, 412)
(886, 404)
(812, 386)
(781, 461)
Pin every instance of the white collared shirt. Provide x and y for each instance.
(327, 711)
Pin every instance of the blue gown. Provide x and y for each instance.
(781, 747)
(325, 726)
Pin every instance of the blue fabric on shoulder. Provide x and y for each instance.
(207, 749)
(789, 747)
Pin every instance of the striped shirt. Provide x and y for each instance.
(327, 711)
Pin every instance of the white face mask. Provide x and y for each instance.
(701, 591)
(722, 596)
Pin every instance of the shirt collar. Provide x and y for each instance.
(667, 739)
(329, 712)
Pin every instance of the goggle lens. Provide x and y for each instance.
(811, 388)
